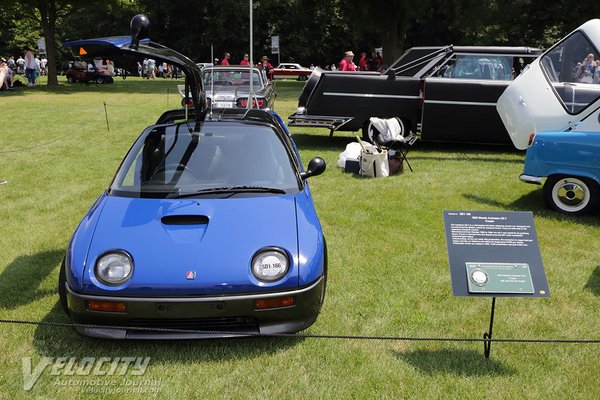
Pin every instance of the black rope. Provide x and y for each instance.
(296, 335)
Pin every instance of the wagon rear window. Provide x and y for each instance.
(573, 68)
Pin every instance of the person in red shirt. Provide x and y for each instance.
(245, 60)
(266, 66)
(362, 63)
(225, 60)
(346, 64)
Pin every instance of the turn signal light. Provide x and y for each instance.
(108, 306)
(277, 302)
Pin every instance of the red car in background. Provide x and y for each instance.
(78, 72)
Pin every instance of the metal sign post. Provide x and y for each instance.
(275, 49)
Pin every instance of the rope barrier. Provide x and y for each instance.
(298, 335)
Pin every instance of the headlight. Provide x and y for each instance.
(114, 267)
(270, 264)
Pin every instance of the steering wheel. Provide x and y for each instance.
(173, 167)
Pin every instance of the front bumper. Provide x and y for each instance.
(226, 316)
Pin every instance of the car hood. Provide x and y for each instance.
(215, 238)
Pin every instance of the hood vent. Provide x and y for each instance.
(184, 220)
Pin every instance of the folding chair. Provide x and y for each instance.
(386, 135)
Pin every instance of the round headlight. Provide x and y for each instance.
(114, 267)
(270, 265)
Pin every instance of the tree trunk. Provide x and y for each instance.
(48, 22)
(391, 40)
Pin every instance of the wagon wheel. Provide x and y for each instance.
(571, 195)
(369, 131)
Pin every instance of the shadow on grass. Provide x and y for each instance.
(533, 201)
(307, 141)
(130, 85)
(20, 281)
(66, 342)
(457, 362)
(593, 284)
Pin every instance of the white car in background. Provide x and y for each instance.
(291, 71)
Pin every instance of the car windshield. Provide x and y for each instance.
(231, 78)
(224, 158)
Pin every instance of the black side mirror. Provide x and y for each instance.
(316, 166)
(140, 28)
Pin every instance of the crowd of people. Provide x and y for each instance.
(372, 62)
(264, 63)
(29, 65)
(149, 69)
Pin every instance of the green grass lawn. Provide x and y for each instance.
(388, 269)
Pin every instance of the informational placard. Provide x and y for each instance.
(274, 44)
(494, 253)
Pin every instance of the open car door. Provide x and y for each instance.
(559, 91)
(143, 48)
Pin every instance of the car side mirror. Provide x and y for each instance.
(316, 166)
(140, 28)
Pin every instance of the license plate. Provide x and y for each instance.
(223, 104)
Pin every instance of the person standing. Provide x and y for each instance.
(20, 65)
(346, 63)
(30, 67)
(266, 66)
(362, 63)
(246, 60)
(139, 67)
(151, 65)
(225, 60)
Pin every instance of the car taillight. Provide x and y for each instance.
(244, 103)
(531, 137)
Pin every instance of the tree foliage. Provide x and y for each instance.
(310, 31)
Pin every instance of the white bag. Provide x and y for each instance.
(374, 164)
(352, 152)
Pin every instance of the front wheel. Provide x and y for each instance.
(99, 80)
(302, 77)
(571, 195)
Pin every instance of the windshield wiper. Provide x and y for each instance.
(227, 189)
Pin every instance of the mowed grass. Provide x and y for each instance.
(388, 269)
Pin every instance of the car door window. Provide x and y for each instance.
(477, 66)
(573, 68)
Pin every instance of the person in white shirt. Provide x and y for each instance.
(31, 67)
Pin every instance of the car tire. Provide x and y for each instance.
(71, 79)
(571, 195)
(99, 80)
(62, 289)
(302, 77)
(108, 79)
(369, 128)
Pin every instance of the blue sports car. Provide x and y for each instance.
(208, 227)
